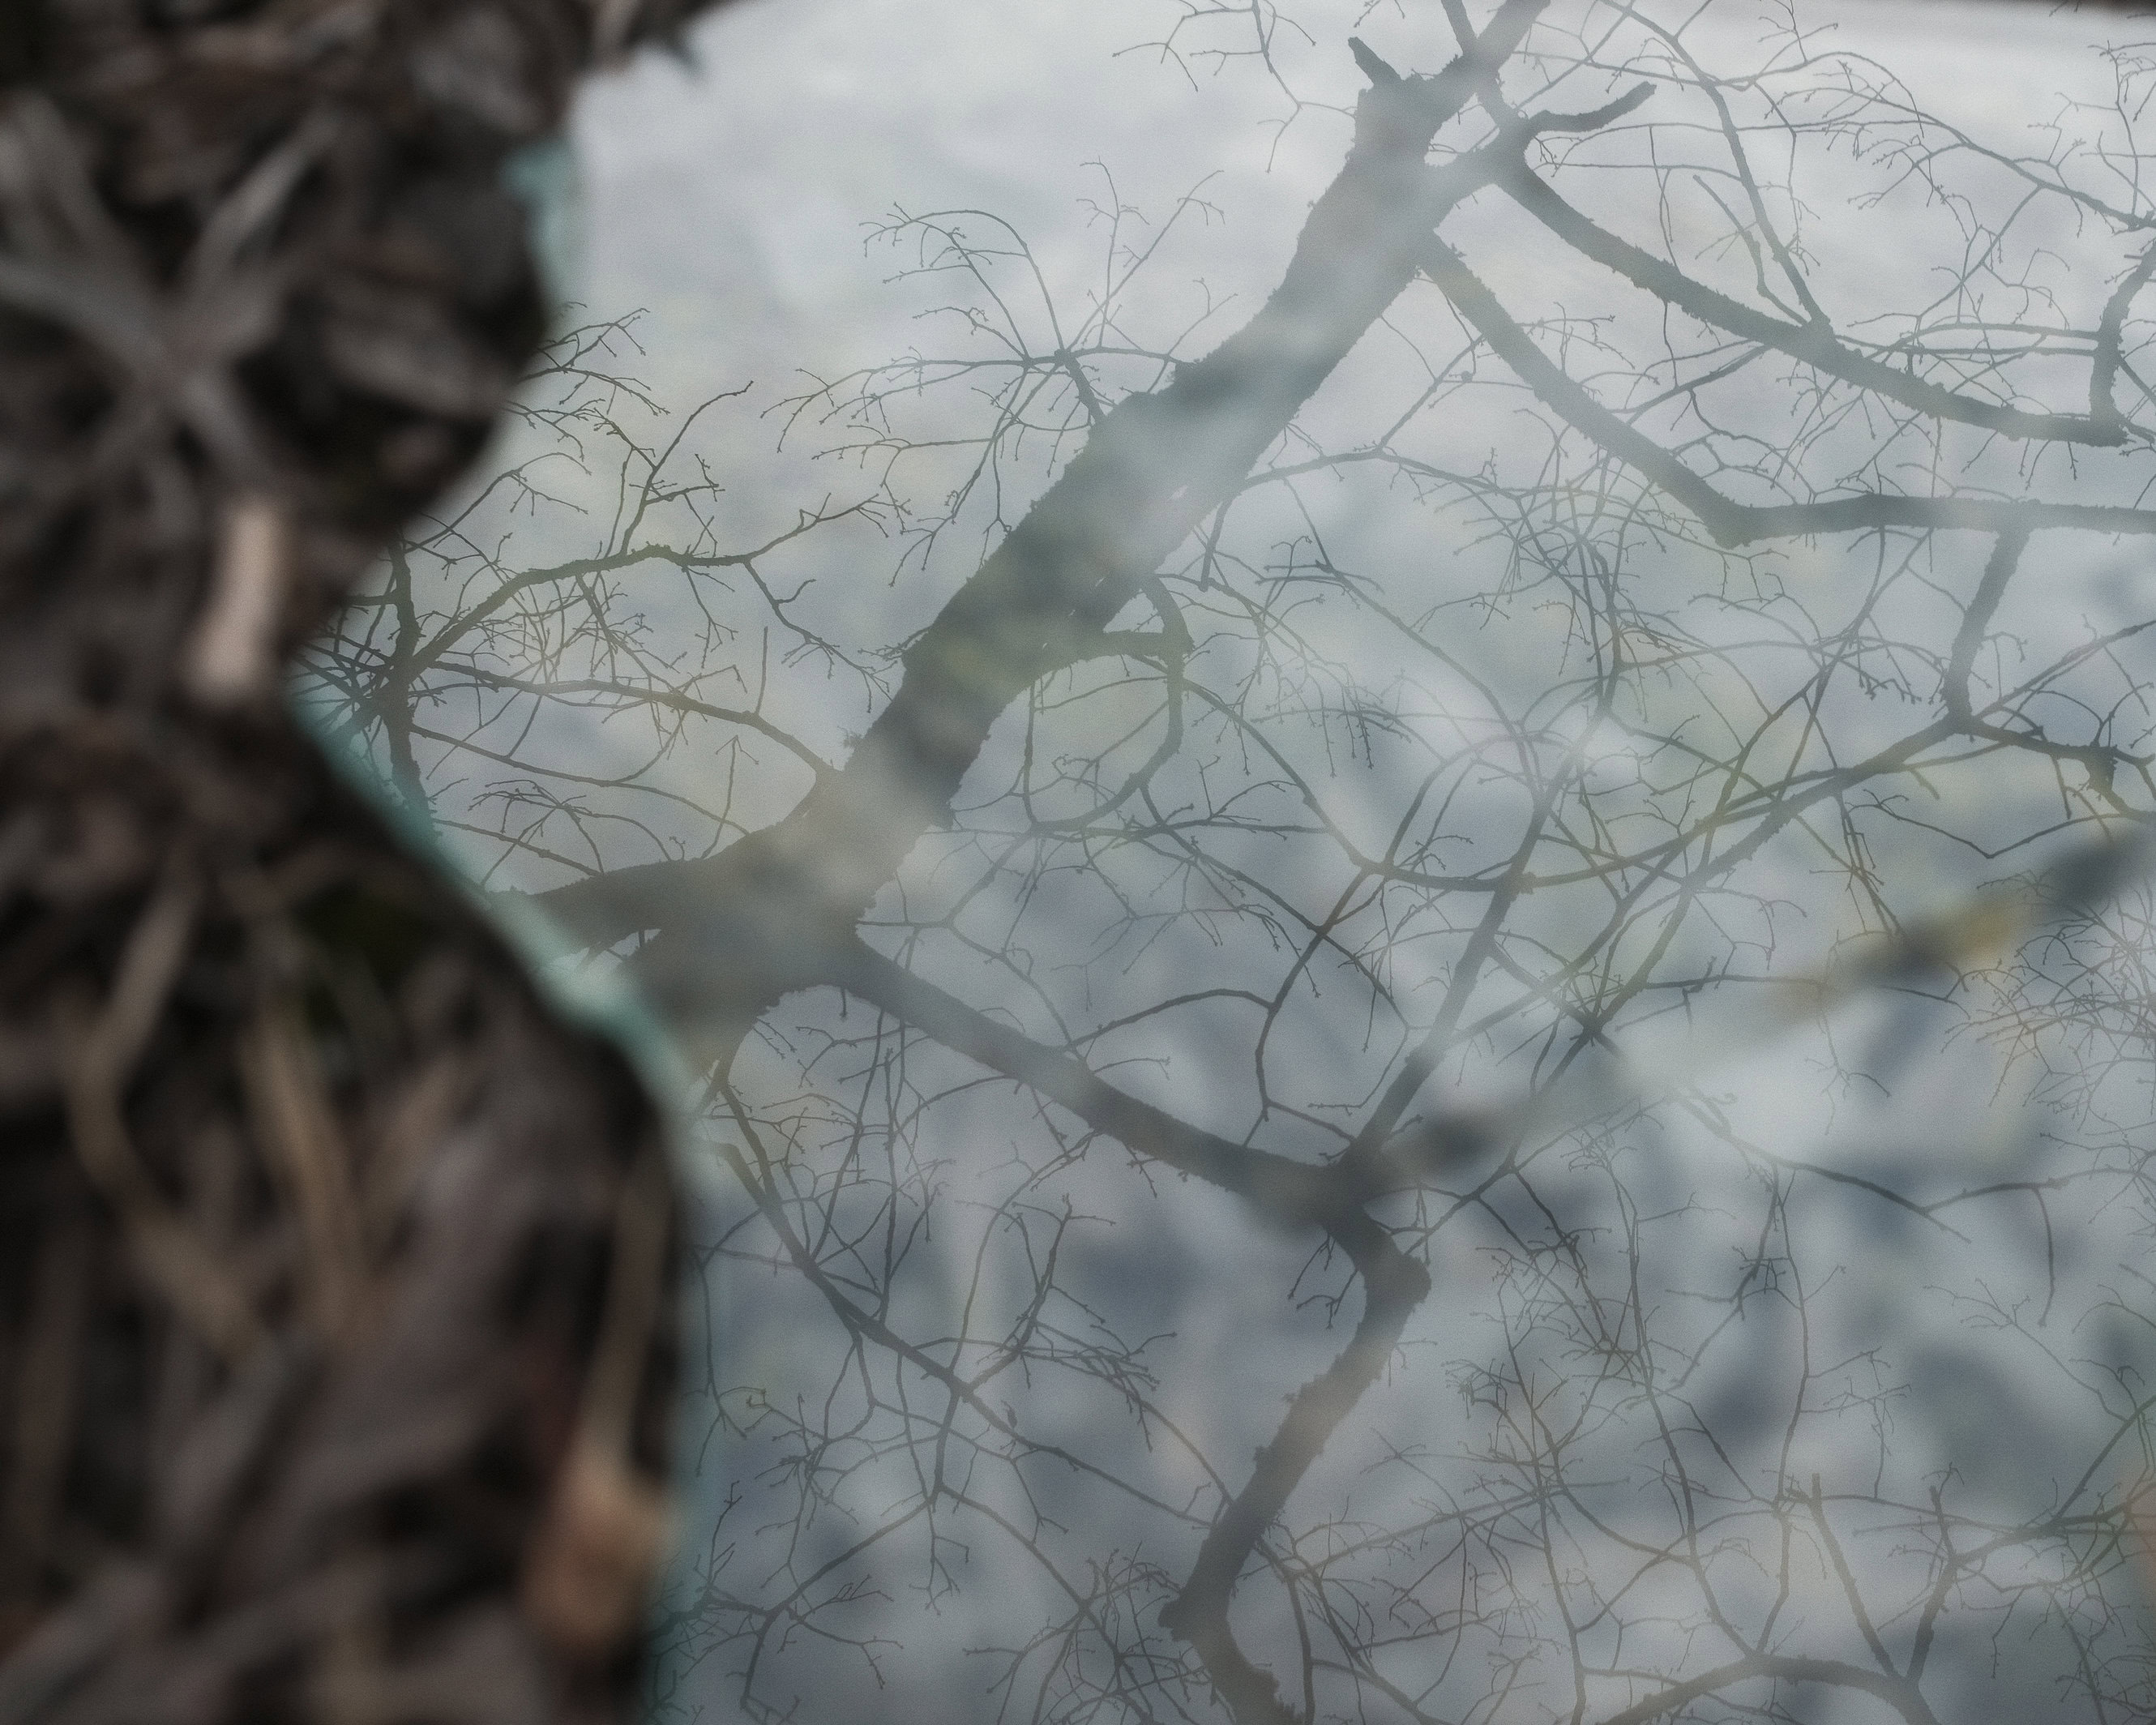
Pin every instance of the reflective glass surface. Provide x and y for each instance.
(1382, 765)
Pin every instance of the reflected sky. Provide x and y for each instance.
(1680, 923)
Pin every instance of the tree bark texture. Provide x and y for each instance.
(336, 1271)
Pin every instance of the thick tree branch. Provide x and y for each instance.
(1288, 1191)
(1148, 476)
(1293, 1194)
(1393, 1285)
(1899, 1694)
(2005, 558)
(2110, 333)
(1816, 344)
(1730, 523)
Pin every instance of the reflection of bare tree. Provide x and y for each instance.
(1195, 849)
